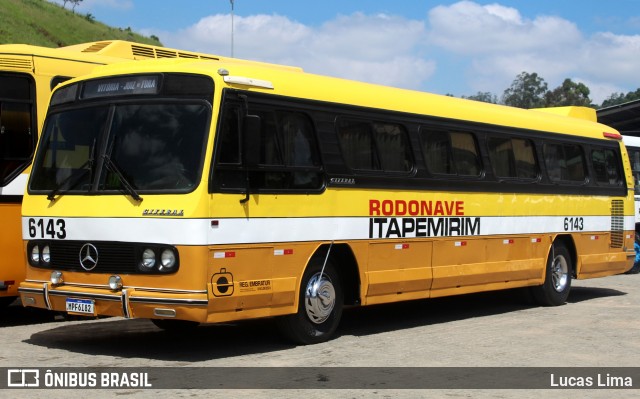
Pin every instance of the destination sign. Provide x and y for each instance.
(123, 85)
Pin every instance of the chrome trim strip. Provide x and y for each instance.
(106, 286)
(125, 304)
(169, 290)
(171, 301)
(45, 295)
(85, 295)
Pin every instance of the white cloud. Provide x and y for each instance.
(499, 43)
(475, 48)
(373, 48)
(469, 28)
(612, 58)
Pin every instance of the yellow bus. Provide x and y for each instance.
(191, 192)
(27, 76)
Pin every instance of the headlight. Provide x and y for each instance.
(167, 260)
(45, 256)
(148, 259)
(35, 255)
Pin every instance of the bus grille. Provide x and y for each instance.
(617, 223)
(113, 257)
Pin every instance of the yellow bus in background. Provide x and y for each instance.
(27, 76)
(202, 192)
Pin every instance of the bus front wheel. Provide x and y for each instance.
(319, 306)
(557, 282)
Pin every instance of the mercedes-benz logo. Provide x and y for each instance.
(88, 256)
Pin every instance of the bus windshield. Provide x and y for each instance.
(130, 147)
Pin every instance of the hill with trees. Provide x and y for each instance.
(41, 23)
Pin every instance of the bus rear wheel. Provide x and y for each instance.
(319, 306)
(557, 282)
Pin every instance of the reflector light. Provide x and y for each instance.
(221, 255)
(615, 136)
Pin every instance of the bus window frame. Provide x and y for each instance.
(238, 100)
(32, 103)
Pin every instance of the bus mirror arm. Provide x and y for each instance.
(250, 148)
(247, 192)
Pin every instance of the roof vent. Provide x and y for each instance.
(96, 47)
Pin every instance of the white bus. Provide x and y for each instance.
(633, 149)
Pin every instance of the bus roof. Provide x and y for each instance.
(294, 82)
(106, 51)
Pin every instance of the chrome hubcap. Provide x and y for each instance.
(319, 298)
(559, 273)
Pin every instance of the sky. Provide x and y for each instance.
(445, 47)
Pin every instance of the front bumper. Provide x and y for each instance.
(128, 302)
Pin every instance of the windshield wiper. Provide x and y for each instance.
(78, 178)
(112, 167)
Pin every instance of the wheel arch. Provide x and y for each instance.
(347, 269)
(570, 245)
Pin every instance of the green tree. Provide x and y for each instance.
(485, 97)
(74, 3)
(527, 91)
(568, 93)
(620, 98)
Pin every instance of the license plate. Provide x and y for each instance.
(83, 306)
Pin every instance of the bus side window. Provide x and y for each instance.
(450, 153)
(289, 157)
(606, 167)
(634, 157)
(374, 146)
(512, 158)
(17, 133)
(564, 162)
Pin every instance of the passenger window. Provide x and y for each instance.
(450, 153)
(289, 157)
(606, 167)
(375, 146)
(512, 158)
(634, 158)
(17, 126)
(564, 162)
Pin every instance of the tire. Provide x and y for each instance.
(635, 269)
(318, 315)
(557, 282)
(175, 326)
